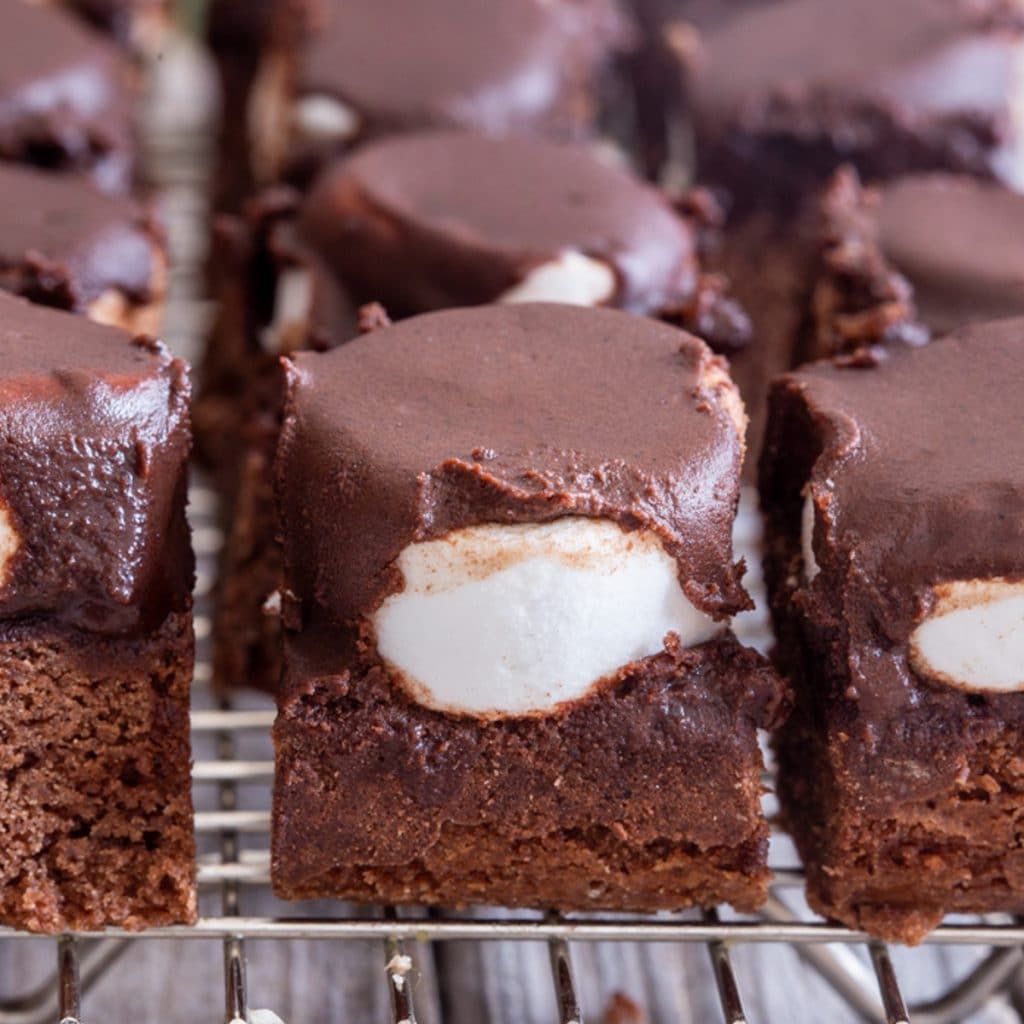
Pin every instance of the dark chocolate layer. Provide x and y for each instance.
(920, 473)
(94, 434)
(505, 414)
(64, 244)
(960, 242)
(445, 219)
(787, 92)
(64, 97)
(404, 64)
(899, 787)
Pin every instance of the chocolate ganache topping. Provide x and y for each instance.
(64, 96)
(444, 219)
(794, 88)
(960, 242)
(915, 465)
(64, 244)
(94, 434)
(505, 414)
(496, 67)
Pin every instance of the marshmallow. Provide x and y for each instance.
(317, 118)
(974, 635)
(1009, 160)
(9, 543)
(811, 567)
(501, 620)
(293, 307)
(572, 278)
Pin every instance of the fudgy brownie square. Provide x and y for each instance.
(509, 672)
(893, 485)
(66, 245)
(96, 644)
(784, 93)
(419, 222)
(66, 97)
(338, 73)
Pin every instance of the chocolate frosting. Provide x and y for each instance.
(63, 96)
(790, 90)
(960, 242)
(63, 243)
(405, 64)
(94, 436)
(920, 473)
(504, 414)
(445, 219)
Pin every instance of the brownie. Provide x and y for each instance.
(894, 263)
(96, 645)
(64, 244)
(491, 479)
(669, 32)
(419, 222)
(341, 72)
(65, 97)
(786, 92)
(893, 488)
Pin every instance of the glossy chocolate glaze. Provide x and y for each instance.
(787, 92)
(64, 244)
(960, 243)
(94, 436)
(513, 66)
(445, 219)
(64, 97)
(504, 414)
(915, 461)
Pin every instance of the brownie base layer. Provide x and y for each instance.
(897, 874)
(645, 796)
(569, 869)
(96, 807)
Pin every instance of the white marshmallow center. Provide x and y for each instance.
(974, 635)
(811, 567)
(317, 118)
(1009, 161)
(9, 543)
(512, 620)
(573, 279)
(293, 308)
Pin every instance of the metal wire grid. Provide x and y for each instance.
(82, 959)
